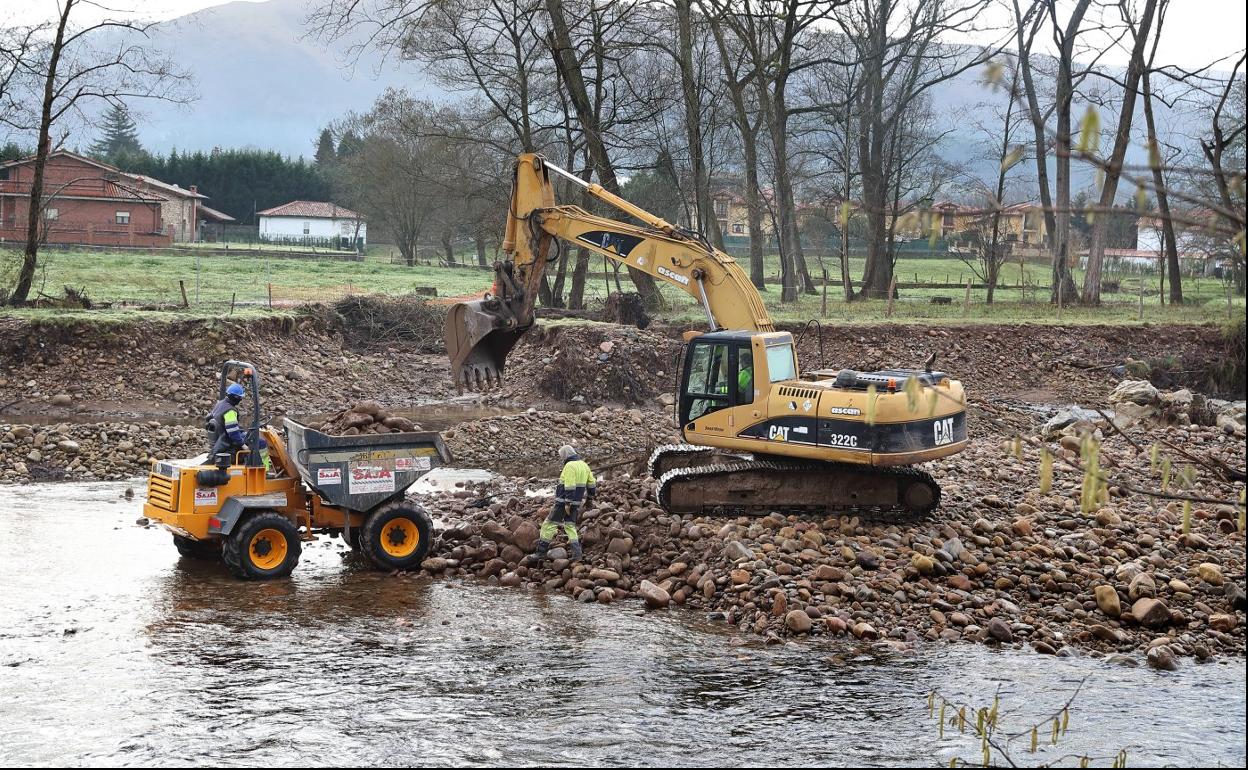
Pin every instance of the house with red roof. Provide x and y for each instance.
(86, 201)
(312, 221)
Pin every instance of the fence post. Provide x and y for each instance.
(966, 301)
(270, 296)
(232, 296)
(182, 286)
(892, 291)
(1141, 298)
(196, 279)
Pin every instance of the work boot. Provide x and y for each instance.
(574, 551)
(538, 555)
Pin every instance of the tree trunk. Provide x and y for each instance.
(1064, 289)
(1170, 244)
(707, 221)
(30, 257)
(570, 72)
(481, 260)
(576, 297)
(1122, 138)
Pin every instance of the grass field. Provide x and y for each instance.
(212, 282)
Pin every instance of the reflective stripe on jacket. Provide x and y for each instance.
(575, 481)
(224, 419)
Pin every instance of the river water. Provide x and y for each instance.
(113, 651)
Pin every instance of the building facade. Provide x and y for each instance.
(312, 221)
(89, 202)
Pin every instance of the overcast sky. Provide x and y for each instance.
(1196, 32)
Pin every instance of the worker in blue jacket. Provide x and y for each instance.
(576, 489)
(222, 423)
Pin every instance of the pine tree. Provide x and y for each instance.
(348, 145)
(119, 141)
(11, 151)
(325, 149)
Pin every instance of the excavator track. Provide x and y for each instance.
(669, 457)
(763, 485)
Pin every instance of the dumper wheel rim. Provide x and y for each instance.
(202, 550)
(397, 536)
(263, 546)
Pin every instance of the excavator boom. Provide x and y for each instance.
(480, 334)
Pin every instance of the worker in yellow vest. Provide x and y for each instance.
(576, 489)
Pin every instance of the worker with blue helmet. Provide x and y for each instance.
(222, 423)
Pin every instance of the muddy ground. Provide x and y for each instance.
(1000, 562)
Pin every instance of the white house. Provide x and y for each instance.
(300, 221)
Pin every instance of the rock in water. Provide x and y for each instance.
(655, 597)
(1162, 658)
(1000, 630)
(798, 621)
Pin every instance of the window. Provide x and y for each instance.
(707, 388)
(4, 174)
(51, 214)
(780, 365)
(721, 208)
(122, 218)
(307, 227)
(946, 224)
(738, 229)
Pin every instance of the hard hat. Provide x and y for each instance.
(235, 391)
(566, 451)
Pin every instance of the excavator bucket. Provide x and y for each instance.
(479, 335)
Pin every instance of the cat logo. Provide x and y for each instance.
(944, 431)
(778, 433)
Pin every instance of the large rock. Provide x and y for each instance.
(1067, 417)
(1139, 392)
(1211, 574)
(1142, 585)
(1151, 612)
(798, 621)
(735, 550)
(1000, 630)
(656, 597)
(62, 399)
(525, 536)
(1107, 600)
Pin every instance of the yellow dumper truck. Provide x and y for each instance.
(255, 509)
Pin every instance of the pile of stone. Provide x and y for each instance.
(528, 443)
(106, 450)
(999, 563)
(366, 417)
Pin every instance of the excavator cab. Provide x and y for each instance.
(718, 374)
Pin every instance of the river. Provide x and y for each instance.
(113, 651)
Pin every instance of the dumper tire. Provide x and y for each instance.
(264, 546)
(203, 550)
(397, 536)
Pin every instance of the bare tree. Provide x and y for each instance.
(988, 245)
(1140, 33)
(903, 58)
(78, 68)
(1169, 242)
(1223, 146)
(738, 77)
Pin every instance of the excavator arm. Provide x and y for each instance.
(480, 334)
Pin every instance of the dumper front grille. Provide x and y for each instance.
(162, 492)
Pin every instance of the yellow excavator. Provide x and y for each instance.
(759, 435)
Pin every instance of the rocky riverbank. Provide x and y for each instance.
(1001, 562)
